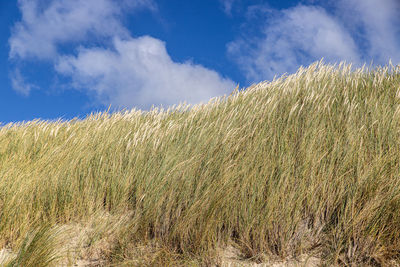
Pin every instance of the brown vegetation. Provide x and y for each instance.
(307, 164)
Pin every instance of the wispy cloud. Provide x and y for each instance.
(227, 6)
(356, 31)
(379, 20)
(122, 70)
(19, 84)
(139, 72)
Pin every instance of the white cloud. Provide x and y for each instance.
(132, 72)
(45, 25)
(139, 72)
(227, 6)
(379, 21)
(19, 84)
(357, 31)
(293, 37)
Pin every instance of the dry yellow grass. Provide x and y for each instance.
(307, 164)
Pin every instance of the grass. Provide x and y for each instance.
(308, 164)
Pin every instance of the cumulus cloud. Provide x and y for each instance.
(139, 72)
(43, 28)
(357, 31)
(131, 72)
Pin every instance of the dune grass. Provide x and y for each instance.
(308, 164)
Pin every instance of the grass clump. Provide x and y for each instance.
(43, 247)
(306, 164)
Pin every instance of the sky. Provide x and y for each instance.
(69, 58)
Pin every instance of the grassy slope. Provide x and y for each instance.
(308, 163)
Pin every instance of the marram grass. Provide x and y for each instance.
(308, 164)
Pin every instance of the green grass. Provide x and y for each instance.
(306, 164)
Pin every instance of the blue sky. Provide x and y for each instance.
(68, 58)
